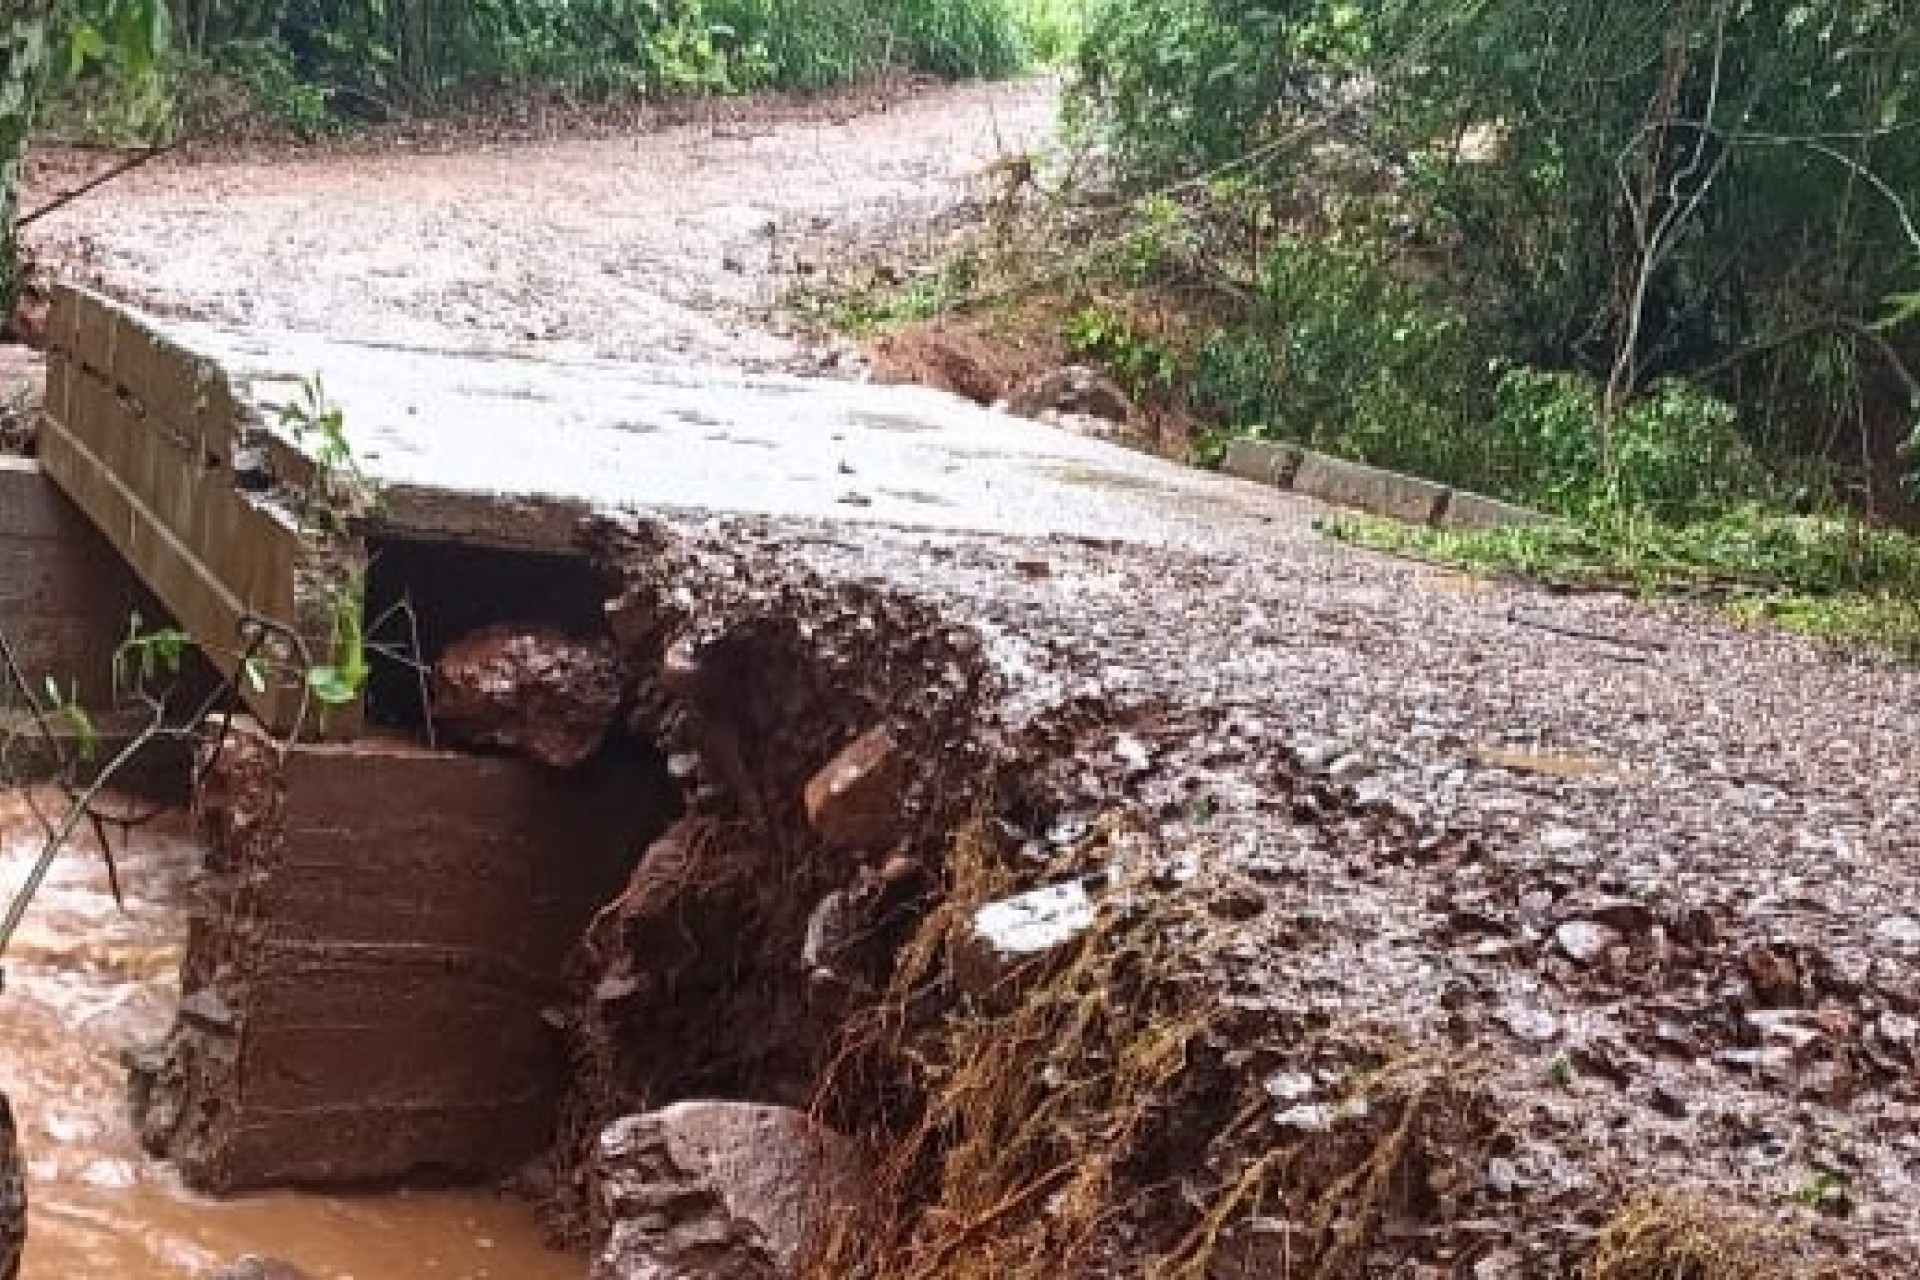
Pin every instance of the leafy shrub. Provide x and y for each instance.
(1637, 192)
(427, 51)
(265, 70)
(1676, 452)
(1051, 29)
(1338, 352)
(1144, 365)
(1178, 86)
(960, 39)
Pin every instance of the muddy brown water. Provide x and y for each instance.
(84, 983)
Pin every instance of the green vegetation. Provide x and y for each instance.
(1403, 201)
(1829, 577)
(54, 43)
(321, 65)
(1650, 266)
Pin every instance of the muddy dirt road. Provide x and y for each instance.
(1632, 889)
(669, 245)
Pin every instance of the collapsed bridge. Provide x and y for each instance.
(584, 658)
(617, 739)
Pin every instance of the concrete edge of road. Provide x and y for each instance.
(1371, 489)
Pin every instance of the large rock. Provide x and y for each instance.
(1011, 942)
(1074, 389)
(724, 1191)
(529, 689)
(854, 804)
(252, 1267)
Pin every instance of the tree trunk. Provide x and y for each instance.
(24, 42)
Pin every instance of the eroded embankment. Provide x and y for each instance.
(823, 737)
(1040, 939)
(1102, 981)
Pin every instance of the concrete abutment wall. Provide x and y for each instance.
(65, 595)
(379, 937)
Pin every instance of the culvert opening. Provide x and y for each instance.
(438, 961)
(423, 596)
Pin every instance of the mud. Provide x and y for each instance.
(86, 983)
(964, 357)
(527, 688)
(697, 980)
(1371, 1003)
(674, 243)
(1422, 944)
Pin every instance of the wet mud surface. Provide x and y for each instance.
(85, 984)
(1520, 925)
(674, 244)
(1441, 920)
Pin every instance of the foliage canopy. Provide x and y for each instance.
(1719, 191)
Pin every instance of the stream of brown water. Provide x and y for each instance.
(85, 982)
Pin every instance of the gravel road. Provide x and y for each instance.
(1649, 882)
(1652, 878)
(673, 244)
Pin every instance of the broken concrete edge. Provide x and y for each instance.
(1373, 490)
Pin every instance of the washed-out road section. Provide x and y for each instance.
(1686, 951)
(1682, 936)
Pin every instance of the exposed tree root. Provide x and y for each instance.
(1675, 1237)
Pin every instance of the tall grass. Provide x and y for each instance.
(815, 44)
(1052, 29)
(427, 52)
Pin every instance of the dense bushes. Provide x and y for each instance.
(306, 56)
(1718, 192)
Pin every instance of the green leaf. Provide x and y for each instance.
(333, 686)
(85, 45)
(1903, 307)
(86, 738)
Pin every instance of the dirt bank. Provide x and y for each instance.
(671, 244)
(1458, 940)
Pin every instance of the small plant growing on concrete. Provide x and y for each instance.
(340, 492)
(341, 489)
(339, 681)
